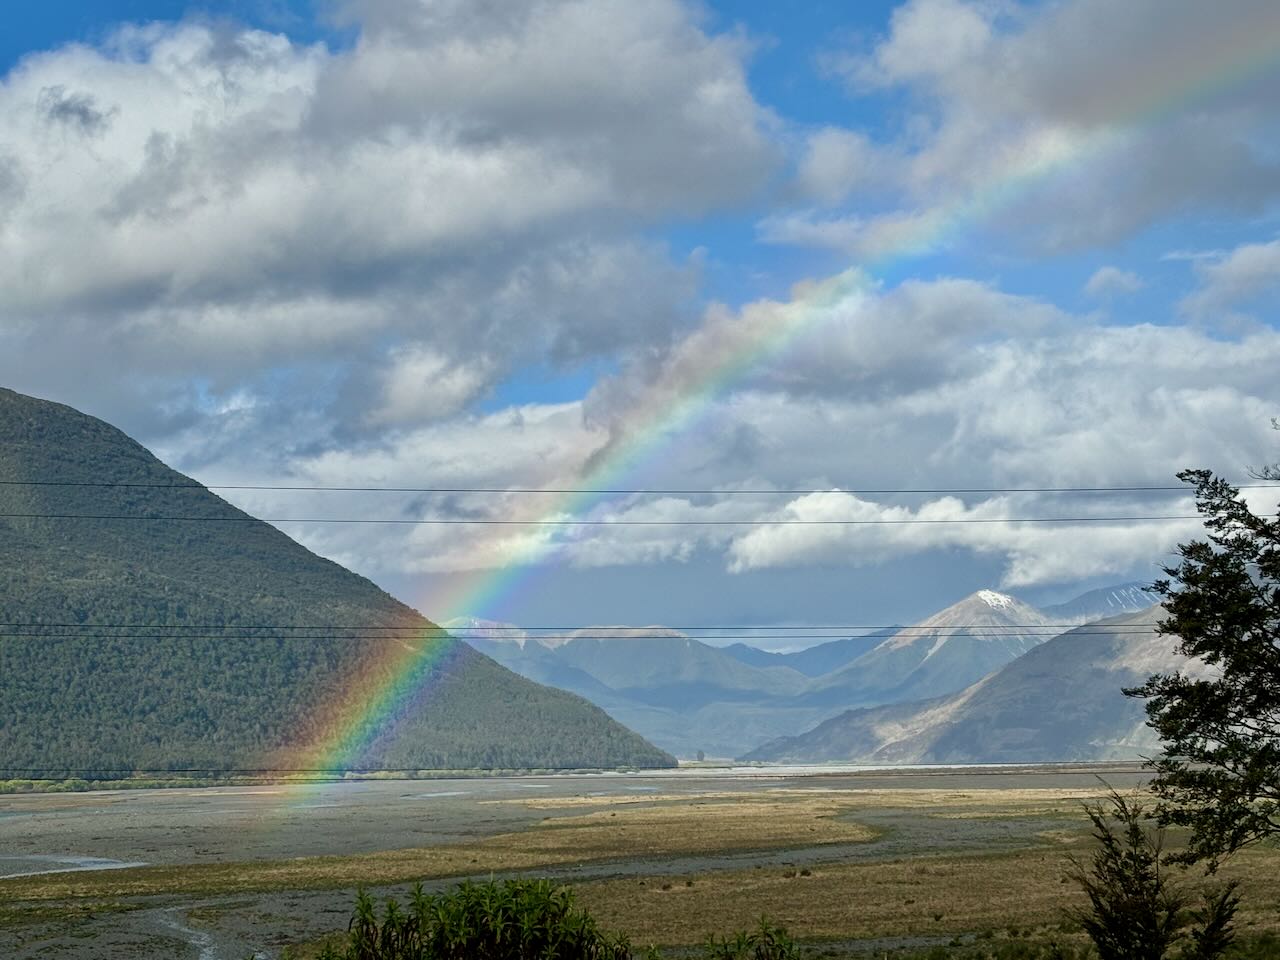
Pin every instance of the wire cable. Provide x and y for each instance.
(1126, 630)
(572, 522)
(609, 491)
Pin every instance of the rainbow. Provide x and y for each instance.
(389, 684)
(682, 396)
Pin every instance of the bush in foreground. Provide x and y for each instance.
(535, 920)
(766, 942)
(1137, 911)
(513, 920)
(510, 920)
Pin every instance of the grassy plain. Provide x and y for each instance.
(652, 829)
(900, 867)
(917, 897)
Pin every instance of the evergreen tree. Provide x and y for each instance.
(1219, 774)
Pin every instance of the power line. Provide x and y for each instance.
(678, 491)
(915, 769)
(63, 772)
(1125, 630)
(543, 633)
(571, 522)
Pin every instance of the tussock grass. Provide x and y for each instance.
(925, 896)
(699, 826)
(690, 826)
(1016, 894)
(980, 800)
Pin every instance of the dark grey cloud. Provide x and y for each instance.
(13, 186)
(76, 110)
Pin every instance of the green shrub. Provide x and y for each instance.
(508, 920)
(1137, 911)
(766, 942)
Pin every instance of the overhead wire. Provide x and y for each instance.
(611, 491)
(577, 522)
(1128, 630)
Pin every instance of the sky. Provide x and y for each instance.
(785, 264)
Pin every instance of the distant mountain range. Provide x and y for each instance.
(215, 642)
(688, 696)
(1106, 602)
(942, 653)
(1059, 701)
(815, 661)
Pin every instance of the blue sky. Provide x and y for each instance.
(933, 244)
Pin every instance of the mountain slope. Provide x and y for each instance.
(1105, 602)
(217, 642)
(684, 695)
(1060, 701)
(941, 654)
(665, 667)
(815, 661)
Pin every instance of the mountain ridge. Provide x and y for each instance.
(689, 696)
(253, 690)
(1062, 700)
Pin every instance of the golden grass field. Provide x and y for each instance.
(917, 896)
(655, 828)
(825, 893)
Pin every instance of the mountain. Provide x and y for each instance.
(664, 667)
(216, 642)
(685, 695)
(1106, 602)
(1061, 700)
(814, 661)
(944, 653)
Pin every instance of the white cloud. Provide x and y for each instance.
(1110, 281)
(841, 337)
(470, 182)
(836, 162)
(926, 386)
(953, 384)
(306, 263)
(863, 532)
(929, 40)
(1064, 125)
(1244, 275)
(871, 238)
(420, 384)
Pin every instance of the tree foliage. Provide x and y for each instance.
(215, 642)
(1219, 773)
(498, 920)
(766, 942)
(515, 920)
(1137, 909)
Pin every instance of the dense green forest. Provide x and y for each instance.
(131, 645)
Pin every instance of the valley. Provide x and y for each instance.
(639, 480)
(237, 871)
(690, 696)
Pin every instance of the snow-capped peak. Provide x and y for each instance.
(996, 601)
(475, 628)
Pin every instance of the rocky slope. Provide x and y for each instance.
(1061, 700)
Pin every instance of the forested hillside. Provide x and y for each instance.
(216, 642)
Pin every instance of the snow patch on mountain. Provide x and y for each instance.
(996, 601)
(475, 628)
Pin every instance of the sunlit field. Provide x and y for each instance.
(845, 863)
